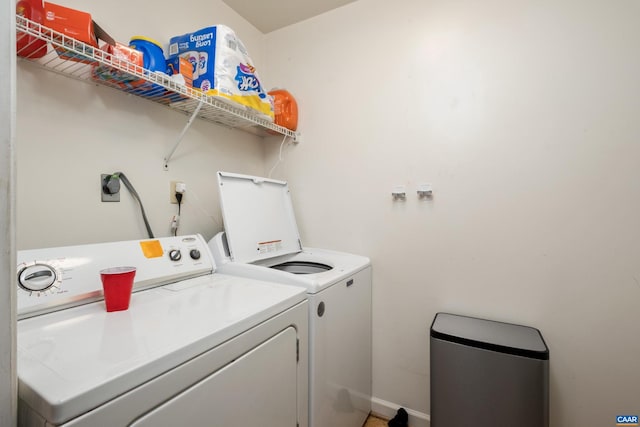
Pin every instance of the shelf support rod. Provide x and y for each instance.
(167, 158)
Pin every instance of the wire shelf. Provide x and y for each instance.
(75, 59)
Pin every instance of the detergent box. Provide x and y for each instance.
(221, 67)
(74, 24)
(127, 59)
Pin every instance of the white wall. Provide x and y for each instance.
(523, 116)
(68, 133)
(8, 379)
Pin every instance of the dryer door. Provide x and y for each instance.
(257, 389)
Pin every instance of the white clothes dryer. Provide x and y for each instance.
(194, 348)
(261, 241)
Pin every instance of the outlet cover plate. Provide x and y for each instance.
(172, 192)
(105, 196)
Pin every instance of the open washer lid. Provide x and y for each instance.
(258, 217)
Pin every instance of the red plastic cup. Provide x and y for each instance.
(117, 283)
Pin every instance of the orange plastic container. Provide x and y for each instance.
(285, 109)
(29, 46)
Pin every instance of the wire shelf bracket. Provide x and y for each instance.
(167, 158)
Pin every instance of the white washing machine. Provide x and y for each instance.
(195, 347)
(261, 241)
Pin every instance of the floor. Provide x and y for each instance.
(375, 422)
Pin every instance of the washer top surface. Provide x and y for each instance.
(261, 238)
(76, 359)
(342, 265)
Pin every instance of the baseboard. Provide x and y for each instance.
(388, 410)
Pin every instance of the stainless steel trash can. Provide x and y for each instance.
(487, 374)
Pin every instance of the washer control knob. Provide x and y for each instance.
(36, 278)
(195, 254)
(175, 255)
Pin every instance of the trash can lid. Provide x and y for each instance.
(490, 335)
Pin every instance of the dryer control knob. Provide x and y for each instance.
(195, 254)
(37, 278)
(175, 255)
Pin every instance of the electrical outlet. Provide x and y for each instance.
(172, 192)
(110, 193)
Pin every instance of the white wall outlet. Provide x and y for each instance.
(172, 191)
